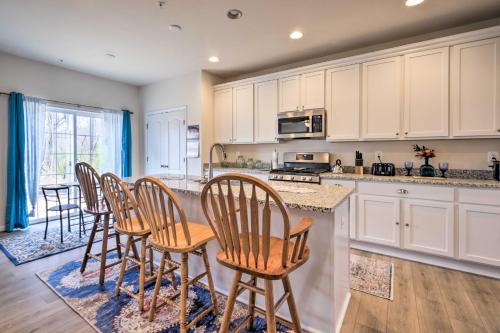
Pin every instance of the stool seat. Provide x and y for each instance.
(200, 234)
(58, 208)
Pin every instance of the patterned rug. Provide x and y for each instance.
(372, 276)
(108, 313)
(23, 246)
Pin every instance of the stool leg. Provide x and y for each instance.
(230, 303)
(172, 275)
(118, 245)
(142, 273)
(61, 223)
(270, 317)
(184, 292)
(123, 266)
(251, 305)
(89, 244)
(152, 310)
(104, 250)
(46, 223)
(291, 305)
(151, 264)
(209, 278)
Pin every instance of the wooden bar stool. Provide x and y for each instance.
(244, 235)
(95, 204)
(160, 207)
(129, 222)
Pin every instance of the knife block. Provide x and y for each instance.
(358, 167)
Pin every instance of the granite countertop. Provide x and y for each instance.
(459, 182)
(309, 197)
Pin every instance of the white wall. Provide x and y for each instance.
(51, 82)
(460, 154)
(193, 90)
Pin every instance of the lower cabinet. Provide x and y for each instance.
(479, 234)
(429, 226)
(379, 219)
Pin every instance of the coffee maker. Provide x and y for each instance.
(496, 168)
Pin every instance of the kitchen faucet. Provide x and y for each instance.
(210, 164)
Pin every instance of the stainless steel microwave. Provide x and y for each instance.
(301, 124)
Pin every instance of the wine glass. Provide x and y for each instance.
(443, 167)
(408, 167)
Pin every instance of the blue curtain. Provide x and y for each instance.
(16, 212)
(126, 145)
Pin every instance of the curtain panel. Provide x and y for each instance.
(126, 145)
(16, 206)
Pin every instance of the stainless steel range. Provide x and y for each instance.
(302, 167)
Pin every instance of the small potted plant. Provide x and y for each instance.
(426, 170)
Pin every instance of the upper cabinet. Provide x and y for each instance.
(233, 115)
(382, 98)
(302, 92)
(342, 103)
(243, 114)
(475, 88)
(223, 115)
(266, 110)
(426, 83)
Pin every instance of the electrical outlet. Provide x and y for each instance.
(379, 155)
(491, 155)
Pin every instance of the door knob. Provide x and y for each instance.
(407, 225)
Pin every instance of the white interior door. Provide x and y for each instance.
(166, 142)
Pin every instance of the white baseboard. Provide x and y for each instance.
(430, 259)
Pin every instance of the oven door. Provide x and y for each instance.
(301, 124)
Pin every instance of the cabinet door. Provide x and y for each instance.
(342, 103)
(378, 220)
(426, 94)
(429, 227)
(243, 114)
(382, 98)
(223, 116)
(312, 90)
(266, 109)
(475, 88)
(289, 93)
(479, 234)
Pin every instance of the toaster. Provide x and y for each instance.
(383, 169)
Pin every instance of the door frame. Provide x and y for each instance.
(182, 108)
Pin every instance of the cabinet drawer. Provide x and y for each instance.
(479, 196)
(403, 190)
(331, 181)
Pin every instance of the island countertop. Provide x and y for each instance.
(309, 197)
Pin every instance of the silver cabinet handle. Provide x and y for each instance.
(407, 225)
(402, 191)
(406, 133)
(397, 223)
(397, 133)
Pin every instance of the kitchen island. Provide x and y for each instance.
(321, 286)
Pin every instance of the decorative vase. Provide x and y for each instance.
(427, 170)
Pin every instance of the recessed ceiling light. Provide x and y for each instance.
(111, 55)
(411, 3)
(234, 14)
(174, 27)
(296, 35)
(213, 59)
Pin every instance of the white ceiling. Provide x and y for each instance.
(82, 32)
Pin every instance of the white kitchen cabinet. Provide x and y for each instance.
(428, 226)
(479, 234)
(426, 82)
(379, 219)
(243, 100)
(382, 98)
(289, 93)
(312, 90)
(266, 110)
(302, 92)
(475, 88)
(223, 115)
(342, 103)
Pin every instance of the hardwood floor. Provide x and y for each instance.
(426, 299)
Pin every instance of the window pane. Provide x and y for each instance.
(83, 125)
(64, 123)
(84, 158)
(64, 163)
(49, 164)
(64, 143)
(83, 144)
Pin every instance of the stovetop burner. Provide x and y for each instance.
(302, 167)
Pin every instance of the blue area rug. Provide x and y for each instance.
(108, 313)
(23, 246)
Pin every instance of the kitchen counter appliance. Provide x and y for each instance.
(308, 124)
(302, 167)
(383, 169)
